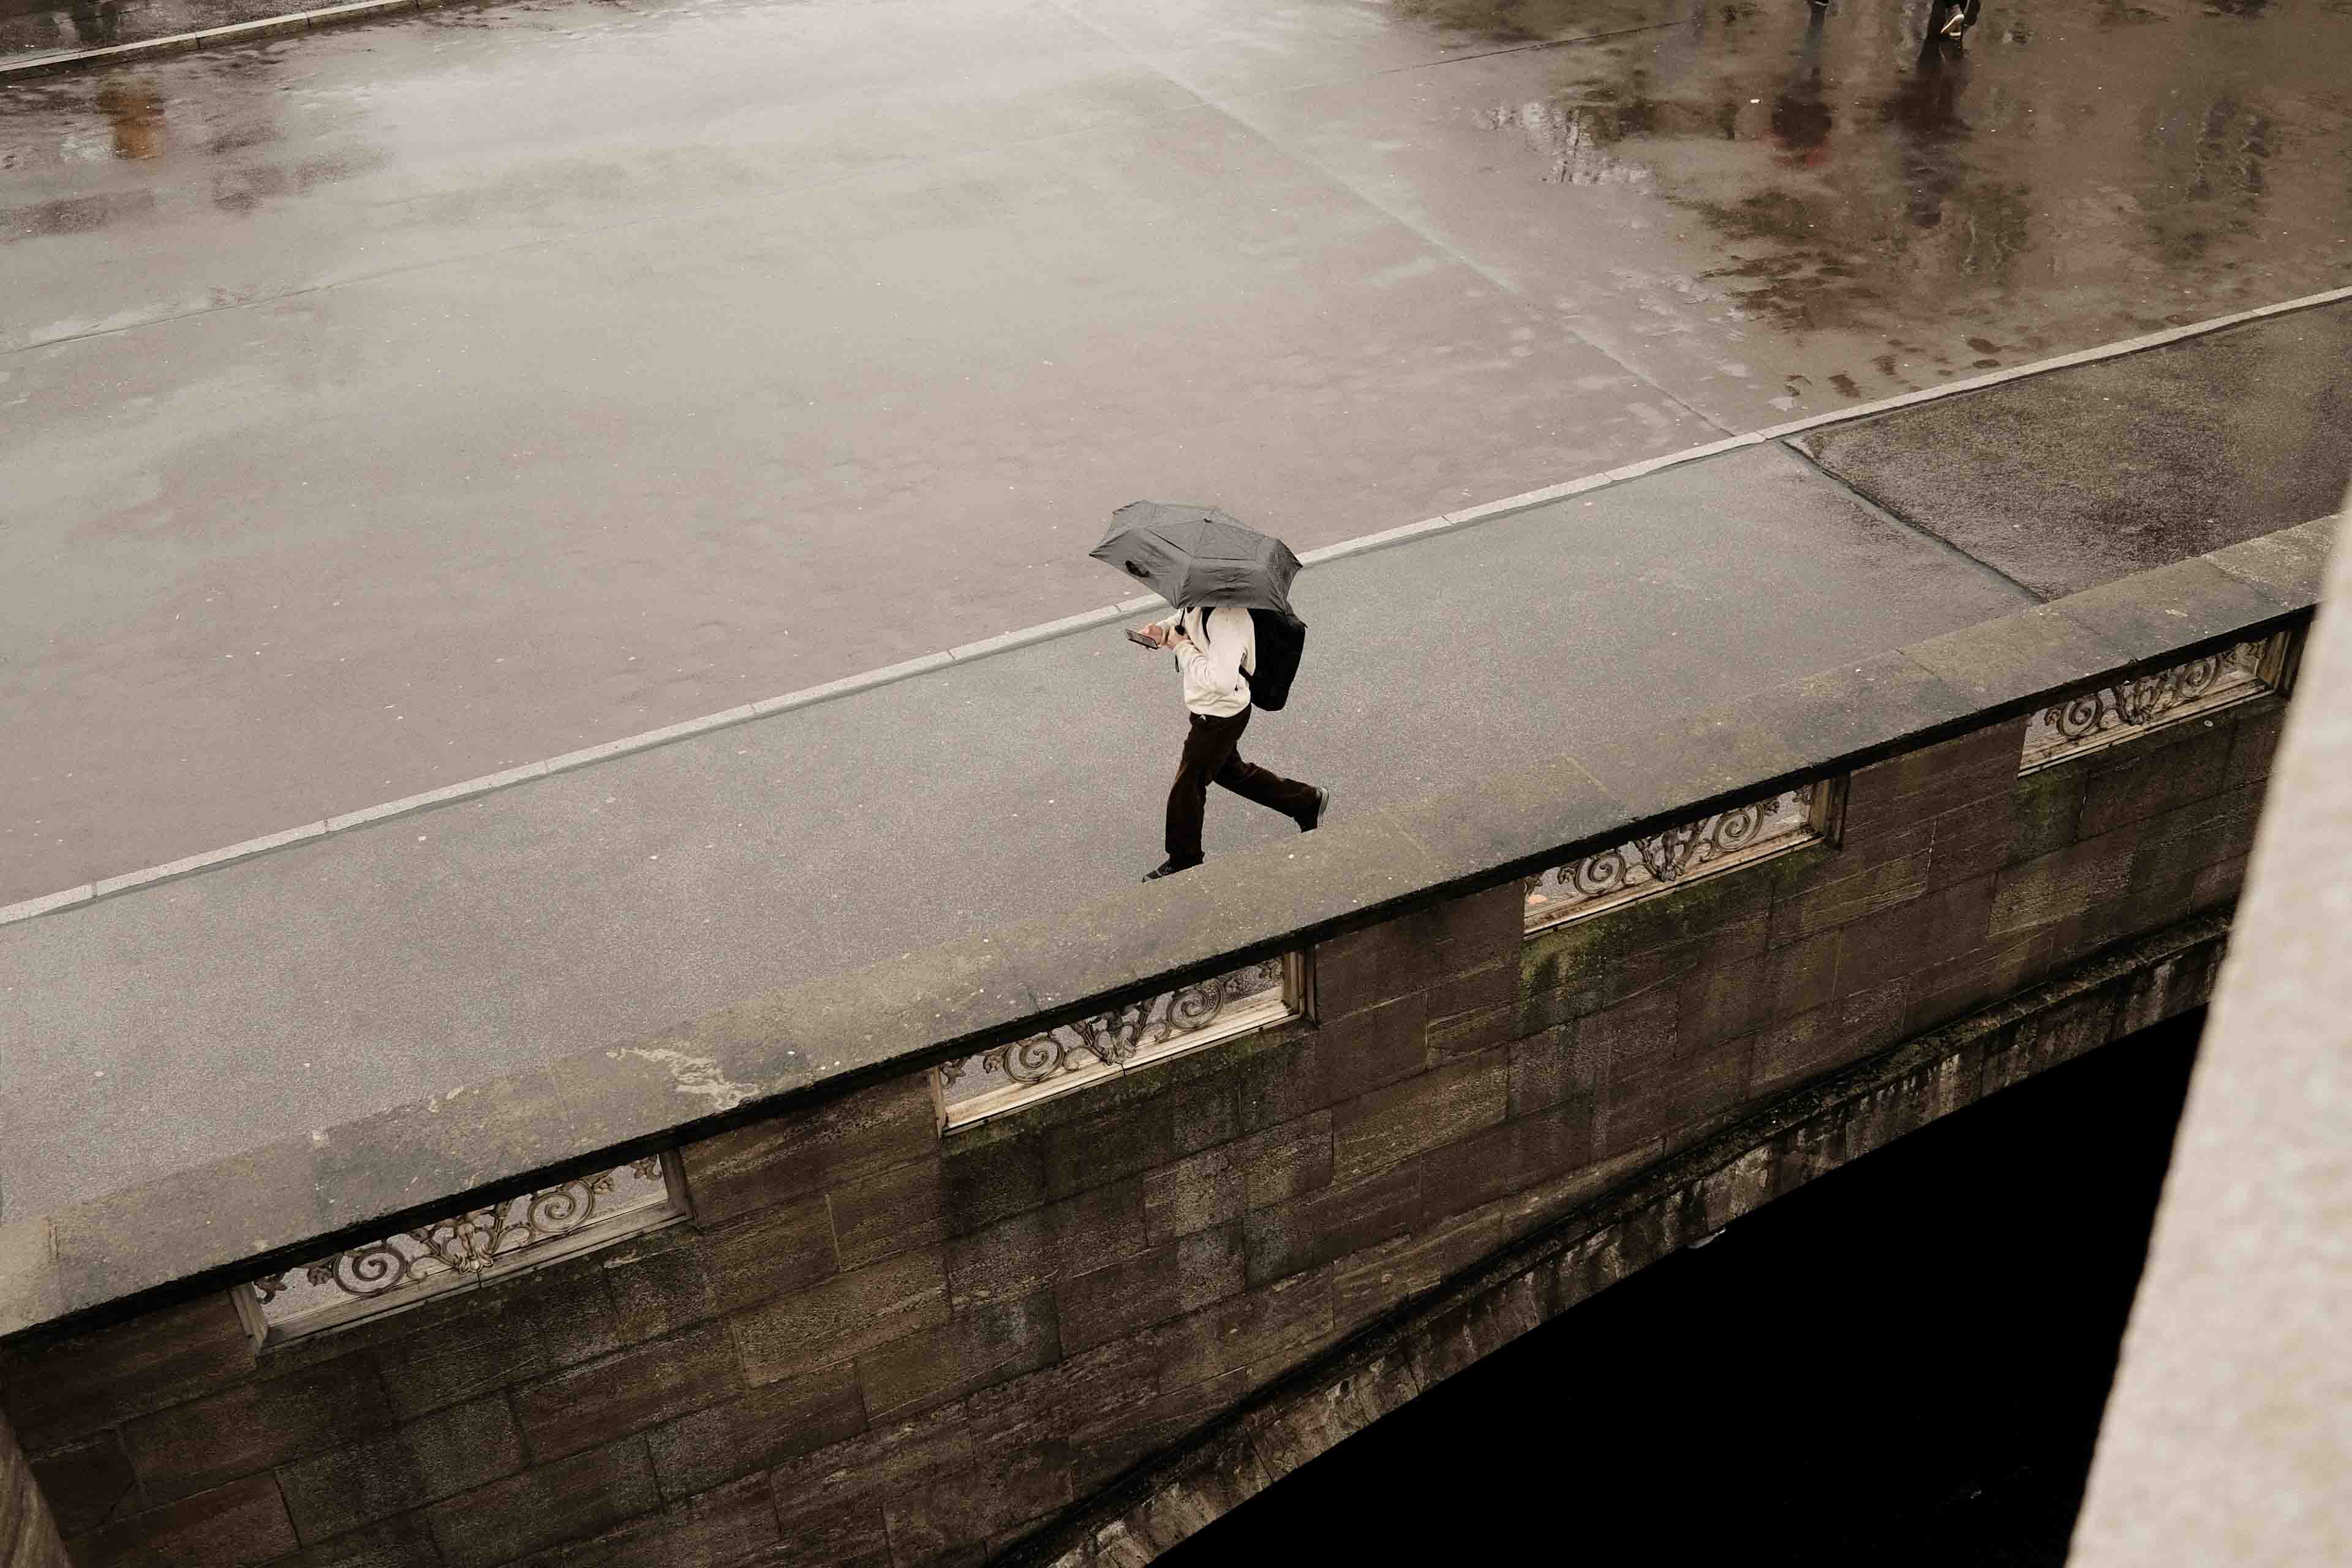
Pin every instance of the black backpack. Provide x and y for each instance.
(1280, 645)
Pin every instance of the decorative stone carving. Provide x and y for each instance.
(2150, 702)
(1641, 865)
(462, 1248)
(1174, 1020)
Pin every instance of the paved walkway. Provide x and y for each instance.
(195, 1018)
(383, 407)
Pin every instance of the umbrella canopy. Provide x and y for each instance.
(1198, 555)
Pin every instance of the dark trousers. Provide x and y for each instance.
(1212, 755)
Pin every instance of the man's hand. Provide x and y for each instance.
(1155, 636)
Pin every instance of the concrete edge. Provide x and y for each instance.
(209, 38)
(1675, 1202)
(817, 1039)
(31, 1290)
(1087, 620)
(209, 858)
(811, 695)
(65, 899)
(482, 785)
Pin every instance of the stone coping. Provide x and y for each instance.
(208, 1226)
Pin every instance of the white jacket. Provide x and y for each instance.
(1217, 682)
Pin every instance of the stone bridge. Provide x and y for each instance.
(1052, 1244)
(357, 1213)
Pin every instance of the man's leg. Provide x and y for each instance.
(1208, 744)
(1295, 800)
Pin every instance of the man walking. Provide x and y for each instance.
(1217, 649)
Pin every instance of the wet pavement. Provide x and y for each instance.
(217, 1012)
(206, 1015)
(42, 30)
(2059, 482)
(384, 407)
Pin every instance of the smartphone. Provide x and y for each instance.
(1139, 639)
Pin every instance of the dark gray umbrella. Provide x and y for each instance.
(1198, 555)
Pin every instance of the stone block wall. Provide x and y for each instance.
(1679, 1202)
(874, 1345)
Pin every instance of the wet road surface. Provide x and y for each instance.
(47, 29)
(2064, 481)
(384, 407)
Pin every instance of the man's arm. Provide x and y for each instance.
(1217, 667)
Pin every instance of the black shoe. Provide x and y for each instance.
(1169, 868)
(1322, 810)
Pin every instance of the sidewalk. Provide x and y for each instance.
(96, 32)
(195, 1018)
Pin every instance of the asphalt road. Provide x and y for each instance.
(384, 407)
(2063, 482)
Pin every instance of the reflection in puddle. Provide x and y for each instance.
(96, 22)
(1577, 141)
(125, 117)
(135, 111)
(1801, 116)
(1858, 172)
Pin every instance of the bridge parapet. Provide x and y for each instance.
(870, 1311)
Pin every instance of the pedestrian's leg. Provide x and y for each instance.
(1207, 744)
(1295, 800)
